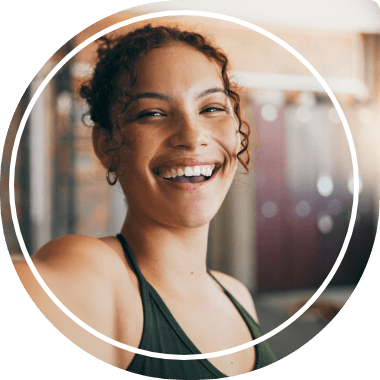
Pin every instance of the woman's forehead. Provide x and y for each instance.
(176, 67)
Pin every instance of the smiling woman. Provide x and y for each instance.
(168, 127)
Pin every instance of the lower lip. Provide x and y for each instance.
(188, 186)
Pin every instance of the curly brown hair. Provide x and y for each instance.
(116, 73)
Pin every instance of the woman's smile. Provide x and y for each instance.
(189, 170)
(189, 182)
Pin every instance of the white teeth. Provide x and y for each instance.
(188, 171)
(203, 170)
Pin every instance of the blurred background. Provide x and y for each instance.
(282, 226)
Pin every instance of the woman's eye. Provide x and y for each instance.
(150, 114)
(213, 109)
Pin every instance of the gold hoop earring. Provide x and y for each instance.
(108, 178)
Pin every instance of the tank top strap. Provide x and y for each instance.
(224, 289)
(131, 259)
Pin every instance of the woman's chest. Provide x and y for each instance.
(209, 326)
(215, 325)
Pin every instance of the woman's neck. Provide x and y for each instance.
(171, 258)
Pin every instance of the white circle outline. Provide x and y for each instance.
(353, 157)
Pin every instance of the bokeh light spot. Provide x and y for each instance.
(269, 113)
(269, 209)
(325, 186)
(303, 209)
(325, 224)
(350, 185)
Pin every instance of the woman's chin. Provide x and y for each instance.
(191, 218)
(195, 223)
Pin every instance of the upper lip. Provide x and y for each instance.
(188, 161)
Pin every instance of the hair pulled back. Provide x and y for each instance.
(116, 73)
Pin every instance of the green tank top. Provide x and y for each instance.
(161, 333)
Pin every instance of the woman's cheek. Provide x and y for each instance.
(232, 143)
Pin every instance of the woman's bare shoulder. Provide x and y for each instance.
(84, 274)
(238, 290)
(73, 260)
(77, 251)
(76, 257)
(81, 271)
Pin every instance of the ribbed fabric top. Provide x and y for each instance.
(162, 333)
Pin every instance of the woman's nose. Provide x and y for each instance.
(189, 133)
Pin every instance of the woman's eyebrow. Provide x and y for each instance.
(161, 96)
(151, 95)
(212, 91)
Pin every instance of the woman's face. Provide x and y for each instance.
(183, 131)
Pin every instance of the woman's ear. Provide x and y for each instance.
(100, 142)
